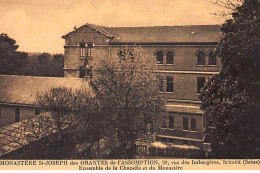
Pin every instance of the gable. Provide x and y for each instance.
(88, 33)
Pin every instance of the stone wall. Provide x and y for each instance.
(7, 113)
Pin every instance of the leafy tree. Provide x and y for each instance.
(11, 59)
(68, 119)
(107, 121)
(44, 64)
(44, 58)
(127, 90)
(231, 99)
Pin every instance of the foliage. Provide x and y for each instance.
(129, 98)
(11, 59)
(44, 64)
(231, 99)
(103, 122)
(227, 7)
(63, 125)
(72, 112)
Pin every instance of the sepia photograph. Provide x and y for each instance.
(139, 82)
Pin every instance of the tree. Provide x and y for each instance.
(68, 119)
(127, 90)
(73, 113)
(44, 64)
(227, 7)
(231, 99)
(109, 120)
(11, 59)
(44, 58)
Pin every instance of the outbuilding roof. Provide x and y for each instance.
(159, 34)
(15, 89)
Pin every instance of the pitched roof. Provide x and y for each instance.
(98, 28)
(24, 89)
(159, 34)
(166, 34)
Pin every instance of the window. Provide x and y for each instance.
(89, 49)
(193, 124)
(159, 57)
(164, 139)
(169, 84)
(164, 122)
(171, 122)
(82, 72)
(169, 57)
(121, 55)
(17, 114)
(160, 80)
(200, 83)
(37, 111)
(185, 123)
(185, 142)
(171, 141)
(131, 55)
(212, 58)
(193, 143)
(201, 58)
(82, 50)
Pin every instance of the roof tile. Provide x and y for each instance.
(24, 89)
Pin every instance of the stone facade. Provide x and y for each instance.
(186, 44)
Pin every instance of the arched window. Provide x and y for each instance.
(212, 58)
(169, 57)
(201, 58)
(131, 55)
(159, 57)
(121, 55)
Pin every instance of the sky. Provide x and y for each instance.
(37, 25)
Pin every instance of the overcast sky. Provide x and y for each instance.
(37, 25)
